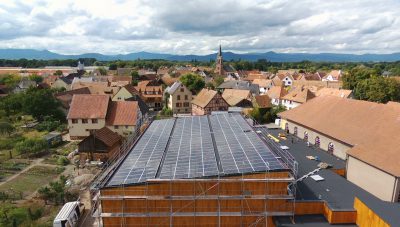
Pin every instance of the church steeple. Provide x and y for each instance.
(219, 63)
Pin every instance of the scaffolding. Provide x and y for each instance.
(222, 200)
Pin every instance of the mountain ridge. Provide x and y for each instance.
(13, 54)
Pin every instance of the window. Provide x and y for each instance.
(116, 126)
(126, 126)
(186, 97)
(74, 121)
(182, 90)
(94, 121)
(178, 104)
(331, 148)
(317, 142)
(178, 97)
(186, 104)
(84, 121)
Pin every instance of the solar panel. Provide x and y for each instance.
(190, 152)
(239, 147)
(144, 159)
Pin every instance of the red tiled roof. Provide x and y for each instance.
(88, 106)
(122, 113)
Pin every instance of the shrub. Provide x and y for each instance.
(31, 146)
(62, 161)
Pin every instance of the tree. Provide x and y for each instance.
(36, 78)
(135, 77)
(357, 74)
(218, 81)
(103, 71)
(10, 80)
(113, 66)
(41, 103)
(6, 128)
(58, 73)
(45, 193)
(193, 82)
(31, 146)
(378, 89)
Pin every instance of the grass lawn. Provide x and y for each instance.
(29, 182)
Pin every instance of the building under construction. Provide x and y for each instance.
(211, 170)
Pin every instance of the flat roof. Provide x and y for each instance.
(195, 147)
(337, 191)
(307, 221)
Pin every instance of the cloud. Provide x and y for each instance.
(198, 26)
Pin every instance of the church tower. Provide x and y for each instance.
(219, 64)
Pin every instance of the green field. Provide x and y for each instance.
(27, 183)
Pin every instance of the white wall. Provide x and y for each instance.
(81, 130)
(340, 149)
(371, 179)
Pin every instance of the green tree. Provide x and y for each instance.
(378, 89)
(58, 73)
(103, 71)
(41, 103)
(135, 77)
(6, 128)
(36, 78)
(193, 82)
(218, 81)
(357, 74)
(31, 146)
(113, 66)
(10, 80)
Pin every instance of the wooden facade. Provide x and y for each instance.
(231, 201)
(217, 103)
(95, 148)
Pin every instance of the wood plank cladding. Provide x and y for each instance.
(229, 201)
(366, 217)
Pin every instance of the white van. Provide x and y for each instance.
(68, 215)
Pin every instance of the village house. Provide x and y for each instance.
(23, 85)
(87, 112)
(239, 85)
(263, 84)
(286, 79)
(207, 101)
(92, 112)
(276, 94)
(238, 98)
(124, 117)
(342, 93)
(129, 93)
(334, 75)
(179, 98)
(100, 145)
(296, 97)
(62, 83)
(360, 132)
(152, 94)
(65, 97)
(262, 102)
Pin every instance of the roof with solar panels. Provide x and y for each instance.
(222, 144)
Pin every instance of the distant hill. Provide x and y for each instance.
(270, 56)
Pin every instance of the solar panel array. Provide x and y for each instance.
(190, 152)
(239, 147)
(144, 159)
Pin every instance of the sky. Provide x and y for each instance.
(199, 26)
